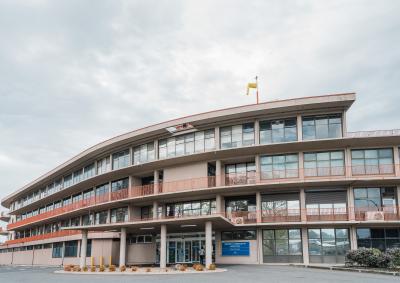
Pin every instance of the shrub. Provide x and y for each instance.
(102, 268)
(134, 268)
(93, 268)
(67, 268)
(76, 269)
(85, 269)
(199, 267)
(112, 268)
(395, 254)
(369, 258)
(212, 266)
(122, 268)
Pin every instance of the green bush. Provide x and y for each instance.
(369, 258)
(395, 254)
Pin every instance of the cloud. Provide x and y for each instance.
(74, 73)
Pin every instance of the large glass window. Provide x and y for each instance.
(88, 171)
(275, 131)
(240, 173)
(374, 199)
(238, 235)
(193, 208)
(330, 163)
(87, 219)
(326, 205)
(71, 249)
(101, 217)
(322, 127)
(102, 189)
(186, 144)
(57, 250)
(279, 166)
(372, 161)
(242, 209)
(119, 215)
(283, 242)
(143, 153)
(68, 181)
(103, 165)
(280, 207)
(121, 159)
(78, 176)
(325, 243)
(237, 136)
(120, 185)
(378, 238)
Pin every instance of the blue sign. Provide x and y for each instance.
(235, 249)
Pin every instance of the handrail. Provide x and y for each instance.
(61, 233)
(238, 179)
(376, 133)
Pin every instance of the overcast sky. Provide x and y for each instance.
(74, 73)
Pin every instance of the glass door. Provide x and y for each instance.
(180, 251)
(188, 251)
(195, 251)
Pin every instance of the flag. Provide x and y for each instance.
(251, 85)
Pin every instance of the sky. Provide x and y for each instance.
(74, 73)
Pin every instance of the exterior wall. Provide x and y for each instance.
(23, 257)
(6, 258)
(44, 257)
(114, 252)
(102, 248)
(141, 253)
(219, 259)
(187, 171)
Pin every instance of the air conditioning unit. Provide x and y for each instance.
(238, 220)
(374, 216)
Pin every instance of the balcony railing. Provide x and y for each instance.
(377, 133)
(388, 213)
(249, 178)
(280, 215)
(327, 214)
(62, 233)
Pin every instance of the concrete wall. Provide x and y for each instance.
(187, 171)
(5, 258)
(102, 248)
(44, 257)
(23, 257)
(115, 252)
(141, 253)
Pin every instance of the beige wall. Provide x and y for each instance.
(252, 259)
(44, 257)
(5, 258)
(23, 257)
(141, 253)
(102, 248)
(115, 252)
(187, 171)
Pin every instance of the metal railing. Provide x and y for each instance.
(61, 233)
(377, 133)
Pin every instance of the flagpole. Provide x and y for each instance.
(257, 88)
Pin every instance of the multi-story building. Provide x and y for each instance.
(281, 181)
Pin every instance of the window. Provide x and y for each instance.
(322, 127)
(139, 239)
(146, 212)
(186, 144)
(324, 163)
(120, 185)
(143, 153)
(278, 131)
(119, 215)
(372, 161)
(66, 201)
(373, 199)
(76, 221)
(88, 194)
(101, 217)
(87, 219)
(328, 242)
(88, 171)
(240, 173)
(378, 238)
(78, 176)
(121, 159)
(103, 165)
(243, 208)
(58, 184)
(89, 248)
(239, 235)
(71, 249)
(325, 205)
(279, 166)
(284, 242)
(237, 136)
(68, 181)
(193, 208)
(76, 198)
(280, 205)
(102, 190)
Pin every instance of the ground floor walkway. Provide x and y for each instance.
(235, 274)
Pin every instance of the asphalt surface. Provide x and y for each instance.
(237, 273)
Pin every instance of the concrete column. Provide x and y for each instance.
(304, 241)
(163, 246)
(217, 139)
(396, 160)
(82, 262)
(260, 246)
(347, 162)
(218, 174)
(344, 123)
(122, 247)
(353, 238)
(208, 243)
(155, 209)
(219, 204)
(303, 210)
(259, 208)
(156, 181)
(111, 163)
(156, 150)
(350, 204)
(256, 132)
(398, 199)
(299, 128)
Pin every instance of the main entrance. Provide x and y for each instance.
(184, 248)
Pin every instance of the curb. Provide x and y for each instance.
(359, 270)
(129, 273)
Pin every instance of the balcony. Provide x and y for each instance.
(62, 233)
(280, 215)
(377, 214)
(3, 232)
(377, 133)
(327, 214)
(4, 216)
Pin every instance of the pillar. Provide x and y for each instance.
(218, 174)
(82, 263)
(353, 238)
(344, 123)
(350, 204)
(156, 150)
(299, 128)
(163, 246)
(258, 207)
(260, 251)
(257, 132)
(301, 166)
(304, 241)
(156, 181)
(208, 243)
(398, 199)
(219, 205)
(155, 210)
(258, 169)
(217, 139)
(396, 160)
(303, 209)
(122, 247)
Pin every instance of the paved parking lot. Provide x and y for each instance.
(238, 273)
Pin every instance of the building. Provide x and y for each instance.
(281, 181)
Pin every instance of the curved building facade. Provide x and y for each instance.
(276, 182)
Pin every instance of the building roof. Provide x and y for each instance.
(339, 101)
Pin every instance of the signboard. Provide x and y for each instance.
(235, 249)
(179, 128)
